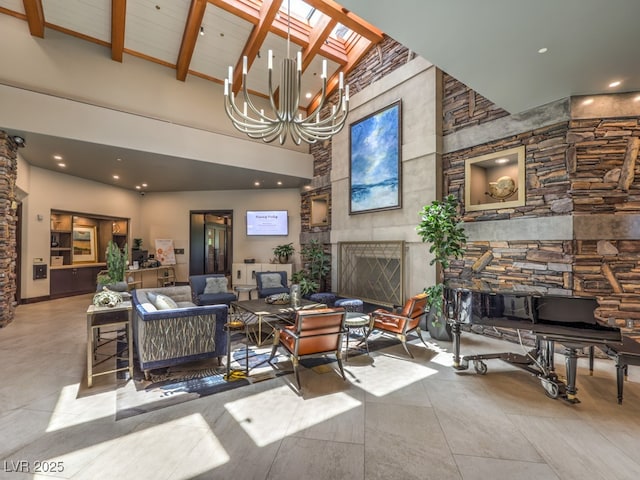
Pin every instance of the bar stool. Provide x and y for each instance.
(233, 327)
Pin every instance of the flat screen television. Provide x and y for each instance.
(267, 222)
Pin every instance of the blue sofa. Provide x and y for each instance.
(183, 332)
(198, 285)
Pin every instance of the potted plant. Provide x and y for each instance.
(116, 266)
(283, 252)
(316, 267)
(440, 226)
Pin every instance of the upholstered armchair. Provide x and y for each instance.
(271, 283)
(211, 289)
(314, 333)
(402, 322)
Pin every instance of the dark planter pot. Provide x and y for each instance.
(438, 327)
(283, 259)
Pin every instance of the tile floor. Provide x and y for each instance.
(393, 419)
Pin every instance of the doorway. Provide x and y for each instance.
(211, 242)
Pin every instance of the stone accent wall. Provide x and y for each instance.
(463, 107)
(582, 169)
(547, 181)
(8, 221)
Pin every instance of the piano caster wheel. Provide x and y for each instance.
(550, 388)
(480, 367)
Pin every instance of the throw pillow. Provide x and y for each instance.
(163, 302)
(271, 280)
(216, 285)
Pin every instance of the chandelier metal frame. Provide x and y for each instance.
(286, 119)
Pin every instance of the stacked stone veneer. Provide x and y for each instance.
(8, 220)
(381, 60)
(581, 181)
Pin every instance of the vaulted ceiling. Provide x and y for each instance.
(199, 38)
(205, 37)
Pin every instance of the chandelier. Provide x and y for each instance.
(285, 119)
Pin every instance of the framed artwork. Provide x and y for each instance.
(84, 244)
(374, 161)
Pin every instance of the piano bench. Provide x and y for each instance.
(626, 354)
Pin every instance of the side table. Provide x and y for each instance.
(244, 288)
(107, 320)
(356, 321)
(236, 326)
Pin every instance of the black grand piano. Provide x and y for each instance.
(566, 319)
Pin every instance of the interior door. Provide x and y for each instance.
(211, 242)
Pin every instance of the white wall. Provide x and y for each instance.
(166, 215)
(416, 85)
(156, 215)
(49, 190)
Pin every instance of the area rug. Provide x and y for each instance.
(189, 381)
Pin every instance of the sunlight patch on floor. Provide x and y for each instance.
(389, 375)
(71, 410)
(253, 412)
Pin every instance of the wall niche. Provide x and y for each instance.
(495, 180)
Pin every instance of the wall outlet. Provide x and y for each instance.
(179, 251)
(38, 260)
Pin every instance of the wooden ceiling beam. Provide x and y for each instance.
(359, 49)
(317, 39)
(35, 17)
(348, 19)
(118, 16)
(189, 37)
(268, 13)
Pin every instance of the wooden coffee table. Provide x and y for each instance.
(258, 312)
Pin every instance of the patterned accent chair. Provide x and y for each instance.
(402, 322)
(175, 331)
(314, 333)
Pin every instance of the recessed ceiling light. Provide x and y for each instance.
(257, 184)
(615, 84)
(62, 165)
(201, 30)
(279, 182)
(308, 95)
(116, 177)
(118, 159)
(637, 99)
(543, 50)
(57, 157)
(502, 160)
(138, 187)
(144, 185)
(307, 187)
(588, 101)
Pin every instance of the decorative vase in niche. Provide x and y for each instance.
(294, 291)
(54, 241)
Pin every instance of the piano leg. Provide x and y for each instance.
(591, 356)
(571, 363)
(455, 331)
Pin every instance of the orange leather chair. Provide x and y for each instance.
(314, 333)
(400, 323)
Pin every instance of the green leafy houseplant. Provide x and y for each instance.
(440, 226)
(316, 267)
(117, 260)
(283, 252)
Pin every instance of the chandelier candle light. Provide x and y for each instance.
(286, 120)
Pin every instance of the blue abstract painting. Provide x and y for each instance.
(375, 161)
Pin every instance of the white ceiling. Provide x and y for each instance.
(492, 45)
(157, 30)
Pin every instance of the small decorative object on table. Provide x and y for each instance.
(107, 298)
(278, 299)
